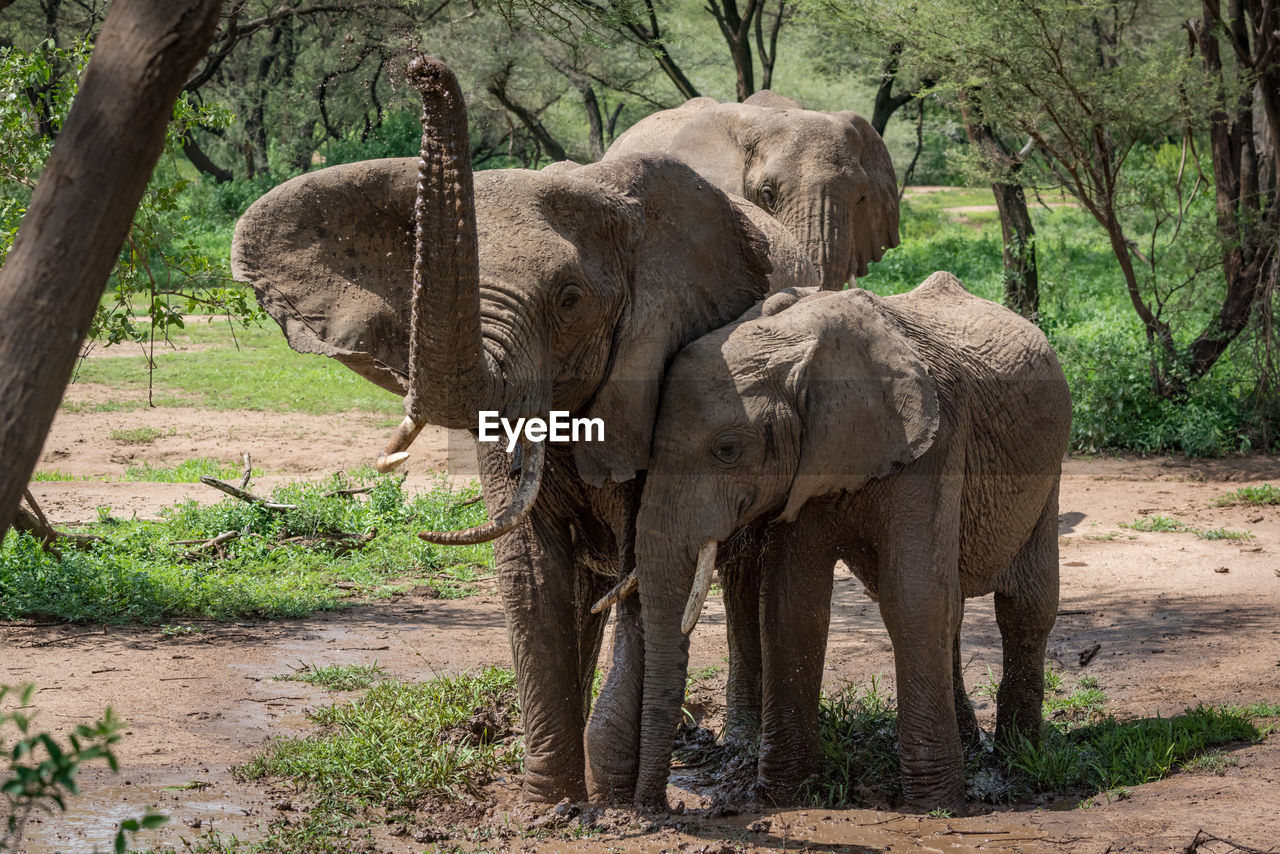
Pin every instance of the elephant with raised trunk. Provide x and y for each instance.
(918, 438)
(826, 177)
(524, 292)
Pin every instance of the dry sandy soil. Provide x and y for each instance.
(1179, 621)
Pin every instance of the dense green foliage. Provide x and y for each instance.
(1100, 342)
(281, 564)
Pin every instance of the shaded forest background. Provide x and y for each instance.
(1123, 154)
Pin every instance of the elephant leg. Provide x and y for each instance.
(1026, 608)
(537, 583)
(966, 720)
(740, 575)
(613, 732)
(795, 611)
(920, 602)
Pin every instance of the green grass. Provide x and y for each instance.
(1224, 534)
(1084, 750)
(1159, 524)
(1258, 496)
(139, 574)
(51, 475)
(135, 436)
(397, 749)
(187, 471)
(338, 677)
(251, 369)
(1165, 524)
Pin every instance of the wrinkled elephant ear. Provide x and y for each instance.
(866, 399)
(875, 220)
(329, 255)
(697, 263)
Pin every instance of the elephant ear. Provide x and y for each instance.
(875, 221)
(867, 403)
(697, 264)
(329, 255)
(772, 100)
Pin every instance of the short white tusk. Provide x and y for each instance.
(701, 586)
(620, 591)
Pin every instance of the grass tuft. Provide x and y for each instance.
(136, 435)
(403, 743)
(338, 677)
(1159, 524)
(1258, 496)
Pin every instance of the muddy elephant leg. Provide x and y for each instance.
(1026, 607)
(920, 603)
(537, 583)
(795, 611)
(966, 720)
(740, 574)
(613, 732)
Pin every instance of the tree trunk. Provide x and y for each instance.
(201, 161)
(81, 211)
(887, 103)
(1021, 276)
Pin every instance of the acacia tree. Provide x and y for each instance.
(1095, 86)
(80, 212)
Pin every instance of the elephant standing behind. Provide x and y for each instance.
(919, 438)
(826, 177)
(567, 290)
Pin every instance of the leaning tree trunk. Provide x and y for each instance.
(81, 212)
(1021, 276)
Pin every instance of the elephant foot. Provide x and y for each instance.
(548, 789)
(930, 796)
(610, 789)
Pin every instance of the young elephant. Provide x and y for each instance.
(918, 438)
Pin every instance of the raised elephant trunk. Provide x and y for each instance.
(450, 376)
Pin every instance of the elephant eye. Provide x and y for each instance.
(569, 298)
(768, 198)
(726, 448)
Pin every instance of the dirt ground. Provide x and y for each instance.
(1179, 621)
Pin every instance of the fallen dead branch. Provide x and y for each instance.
(1203, 838)
(340, 541)
(33, 522)
(248, 472)
(355, 490)
(243, 495)
(214, 543)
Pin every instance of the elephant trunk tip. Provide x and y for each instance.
(428, 73)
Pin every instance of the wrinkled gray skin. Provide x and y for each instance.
(589, 279)
(826, 177)
(918, 438)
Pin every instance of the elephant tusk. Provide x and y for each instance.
(394, 454)
(620, 591)
(506, 518)
(701, 586)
